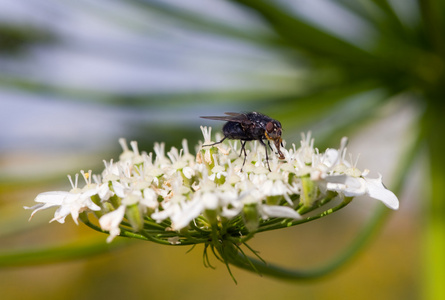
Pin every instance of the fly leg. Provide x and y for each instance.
(215, 143)
(267, 156)
(268, 142)
(243, 149)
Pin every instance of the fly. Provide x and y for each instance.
(249, 127)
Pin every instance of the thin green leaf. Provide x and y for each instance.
(381, 16)
(305, 37)
(433, 17)
(194, 21)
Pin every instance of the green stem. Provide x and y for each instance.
(434, 222)
(238, 259)
(281, 223)
(359, 242)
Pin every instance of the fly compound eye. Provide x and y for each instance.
(269, 127)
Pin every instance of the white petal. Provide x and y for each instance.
(210, 201)
(276, 211)
(36, 208)
(354, 187)
(188, 172)
(160, 215)
(104, 192)
(183, 218)
(230, 213)
(61, 214)
(52, 198)
(349, 186)
(88, 203)
(268, 188)
(377, 190)
(90, 192)
(110, 222)
(330, 157)
(149, 199)
(118, 189)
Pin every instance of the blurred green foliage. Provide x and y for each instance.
(16, 39)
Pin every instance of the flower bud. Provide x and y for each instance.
(133, 214)
(309, 191)
(251, 217)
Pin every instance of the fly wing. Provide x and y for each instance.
(231, 117)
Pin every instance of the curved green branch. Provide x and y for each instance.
(240, 260)
(233, 256)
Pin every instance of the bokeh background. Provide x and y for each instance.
(75, 75)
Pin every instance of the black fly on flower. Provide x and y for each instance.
(249, 127)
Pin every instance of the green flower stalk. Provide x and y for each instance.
(177, 198)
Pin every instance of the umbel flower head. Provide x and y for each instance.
(176, 198)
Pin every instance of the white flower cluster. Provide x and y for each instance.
(177, 188)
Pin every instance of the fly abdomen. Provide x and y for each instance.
(234, 131)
